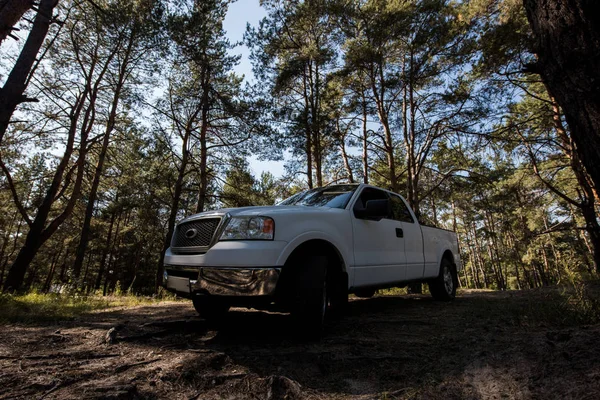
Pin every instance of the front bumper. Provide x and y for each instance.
(221, 281)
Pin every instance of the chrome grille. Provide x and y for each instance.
(197, 233)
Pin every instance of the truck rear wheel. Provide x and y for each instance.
(443, 287)
(210, 309)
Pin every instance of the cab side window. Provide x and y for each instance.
(369, 194)
(400, 210)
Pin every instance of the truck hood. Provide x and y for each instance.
(267, 211)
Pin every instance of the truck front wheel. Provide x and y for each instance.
(210, 309)
(312, 296)
(443, 287)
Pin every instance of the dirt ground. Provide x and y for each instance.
(391, 347)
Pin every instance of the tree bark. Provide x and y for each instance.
(11, 12)
(307, 133)
(110, 126)
(11, 95)
(382, 113)
(342, 139)
(204, 119)
(174, 205)
(106, 251)
(567, 43)
(50, 276)
(365, 138)
(39, 229)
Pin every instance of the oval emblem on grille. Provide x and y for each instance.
(191, 233)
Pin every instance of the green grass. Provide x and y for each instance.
(38, 307)
(395, 291)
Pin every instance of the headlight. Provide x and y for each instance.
(249, 228)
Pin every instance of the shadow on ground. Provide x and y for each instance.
(386, 347)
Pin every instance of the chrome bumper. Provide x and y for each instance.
(222, 281)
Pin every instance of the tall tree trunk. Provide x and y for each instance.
(388, 142)
(309, 159)
(110, 126)
(587, 205)
(110, 272)
(204, 117)
(48, 283)
(365, 138)
(307, 132)
(567, 38)
(63, 267)
(12, 93)
(174, 205)
(38, 231)
(409, 121)
(11, 12)
(314, 101)
(105, 251)
(593, 230)
(479, 257)
(342, 138)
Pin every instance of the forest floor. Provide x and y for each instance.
(484, 345)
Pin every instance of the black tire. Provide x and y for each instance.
(210, 309)
(337, 285)
(443, 288)
(312, 296)
(365, 293)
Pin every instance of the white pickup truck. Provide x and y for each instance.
(307, 253)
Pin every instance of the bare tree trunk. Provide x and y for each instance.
(110, 264)
(85, 273)
(314, 101)
(567, 33)
(11, 12)
(40, 230)
(105, 251)
(593, 231)
(4, 262)
(110, 126)
(11, 94)
(48, 283)
(204, 117)
(513, 245)
(308, 134)
(175, 204)
(388, 142)
(474, 273)
(492, 225)
(365, 150)
(342, 139)
(479, 258)
(473, 262)
(63, 267)
(30, 281)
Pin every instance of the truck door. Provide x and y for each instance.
(378, 245)
(413, 239)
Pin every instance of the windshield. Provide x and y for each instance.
(336, 196)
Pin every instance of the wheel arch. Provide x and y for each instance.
(320, 247)
(310, 241)
(293, 268)
(447, 255)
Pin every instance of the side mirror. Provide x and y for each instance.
(375, 210)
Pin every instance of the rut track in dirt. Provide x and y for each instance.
(387, 347)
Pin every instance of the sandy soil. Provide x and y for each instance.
(386, 348)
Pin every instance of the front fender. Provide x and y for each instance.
(346, 253)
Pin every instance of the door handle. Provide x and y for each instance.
(399, 233)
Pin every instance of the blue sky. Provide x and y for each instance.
(240, 14)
